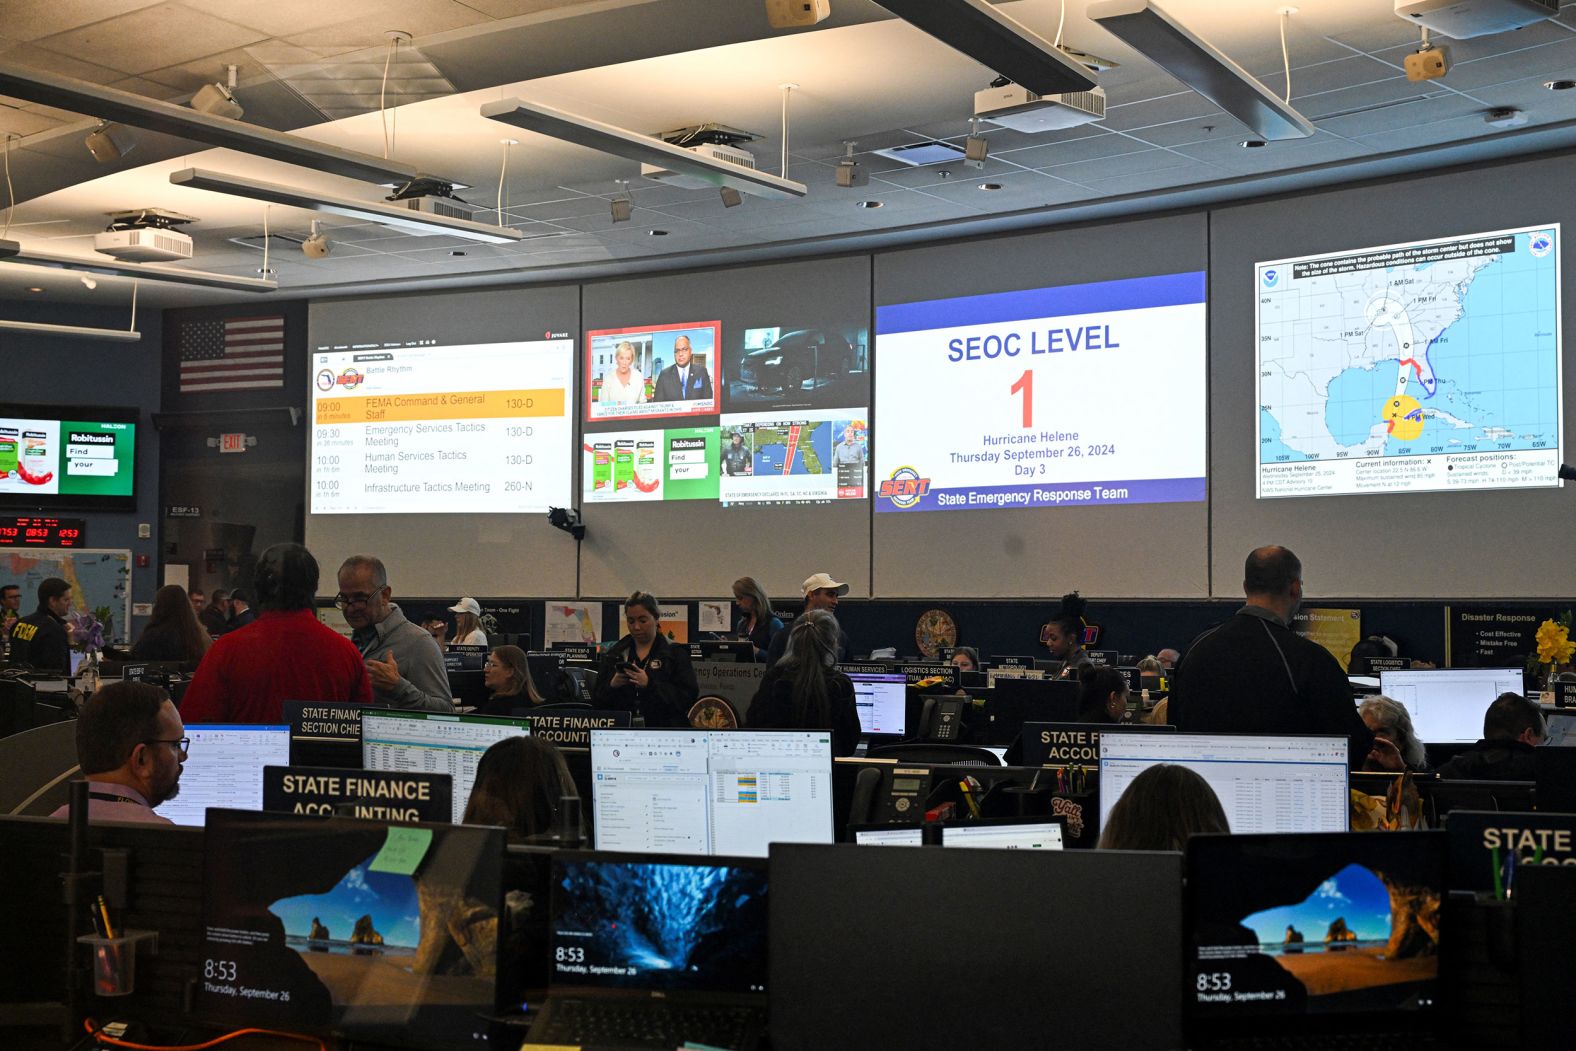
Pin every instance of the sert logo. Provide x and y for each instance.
(1271, 277)
(904, 488)
(350, 379)
(325, 380)
(1541, 244)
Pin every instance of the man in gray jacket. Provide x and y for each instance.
(403, 661)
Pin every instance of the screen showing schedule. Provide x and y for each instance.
(442, 429)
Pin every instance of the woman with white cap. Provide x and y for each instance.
(468, 623)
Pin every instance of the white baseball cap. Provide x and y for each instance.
(467, 605)
(823, 580)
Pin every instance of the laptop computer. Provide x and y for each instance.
(655, 954)
(1312, 940)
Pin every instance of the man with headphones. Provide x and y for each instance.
(1254, 674)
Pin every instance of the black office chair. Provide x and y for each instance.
(929, 752)
(556, 706)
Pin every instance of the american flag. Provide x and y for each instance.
(232, 354)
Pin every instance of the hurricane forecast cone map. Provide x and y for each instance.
(1412, 368)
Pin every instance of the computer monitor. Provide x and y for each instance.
(436, 743)
(1314, 936)
(386, 935)
(1264, 783)
(710, 791)
(224, 768)
(1447, 704)
(1007, 833)
(882, 701)
(889, 836)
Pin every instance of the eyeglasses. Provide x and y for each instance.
(344, 601)
(184, 743)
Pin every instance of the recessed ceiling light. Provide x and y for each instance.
(990, 185)
(1559, 85)
(35, 289)
(457, 252)
(869, 204)
(1251, 144)
(657, 233)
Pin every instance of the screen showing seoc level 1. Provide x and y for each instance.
(1043, 397)
(1411, 368)
(442, 429)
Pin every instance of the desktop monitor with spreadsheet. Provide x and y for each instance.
(1447, 704)
(1264, 783)
(224, 768)
(710, 791)
(882, 701)
(1006, 833)
(436, 744)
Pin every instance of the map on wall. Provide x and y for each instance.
(97, 578)
(1410, 368)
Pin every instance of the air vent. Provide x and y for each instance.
(276, 242)
(919, 154)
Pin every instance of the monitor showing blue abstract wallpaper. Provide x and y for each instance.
(1418, 367)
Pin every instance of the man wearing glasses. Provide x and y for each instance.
(402, 659)
(130, 744)
(284, 655)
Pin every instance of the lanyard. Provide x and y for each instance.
(109, 797)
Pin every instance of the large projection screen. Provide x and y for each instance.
(1091, 326)
(1460, 374)
(457, 507)
(779, 355)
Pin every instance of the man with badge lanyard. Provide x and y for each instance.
(130, 744)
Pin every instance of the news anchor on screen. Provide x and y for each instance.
(685, 379)
(624, 385)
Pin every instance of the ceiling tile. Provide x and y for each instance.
(1126, 164)
(1316, 107)
(22, 122)
(1019, 190)
(1409, 114)
(277, 18)
(945, 174)
(513, 8)
(417, 17)
(1006, 140)
(1185, 105)
(1206, 129)
(32, 19)
(1119, 185)
(1073, 150)
(1552, 60)
(1323, 149)
(52, 61)
(151, 38)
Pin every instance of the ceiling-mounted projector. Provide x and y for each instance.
(148, 235)
(1464, 19)
(1016, 107)
(715, 151)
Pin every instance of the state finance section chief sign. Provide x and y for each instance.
(1411, 368)
(1079, 394)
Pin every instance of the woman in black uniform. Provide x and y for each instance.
(644, 673)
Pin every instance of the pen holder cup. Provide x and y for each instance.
(115, 960)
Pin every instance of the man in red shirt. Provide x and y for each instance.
(284, 655)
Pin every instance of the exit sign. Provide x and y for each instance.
(232, 443)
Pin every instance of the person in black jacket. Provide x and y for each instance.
(644, 673)
(173, 633)
(1512, 727)
(804, 690)
(1254, 674)
(240, 610)
(40, 638)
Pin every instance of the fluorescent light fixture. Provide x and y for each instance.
(31, 84)
(420, 224)
(107, 267)
(1195, 62)
(37, 328)
(996, 42)
(607, 138)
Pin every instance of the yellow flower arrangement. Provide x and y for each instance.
(1554, 643)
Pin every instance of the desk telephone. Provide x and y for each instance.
(893, 795)
(941, 718)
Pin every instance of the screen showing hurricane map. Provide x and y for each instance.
(1411, 368)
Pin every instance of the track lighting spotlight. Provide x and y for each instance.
(109, 142)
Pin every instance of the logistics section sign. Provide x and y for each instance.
(455, 429)
(1079, 394)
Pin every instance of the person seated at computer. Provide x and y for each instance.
(804, 690)
(1102, 695)
(1063, 636)
(286, 654)
(1512, 727)
(757, 623)
(820, 592)
(1160, 809)
(468, 623)
(131, 744)
(1168, 658)
(41, 639)
(1396, 746)
(1151, 675)
(623, 385)
(508, 676)
(520, 784)
(644, 673)
(438, 628)
(173, 632)
(965, 658)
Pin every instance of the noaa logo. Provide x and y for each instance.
(1541, 244)
(325, 380)
(904, 488)
(1271, 277)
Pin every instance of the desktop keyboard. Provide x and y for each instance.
(1328, 1042)
(598, 1023)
